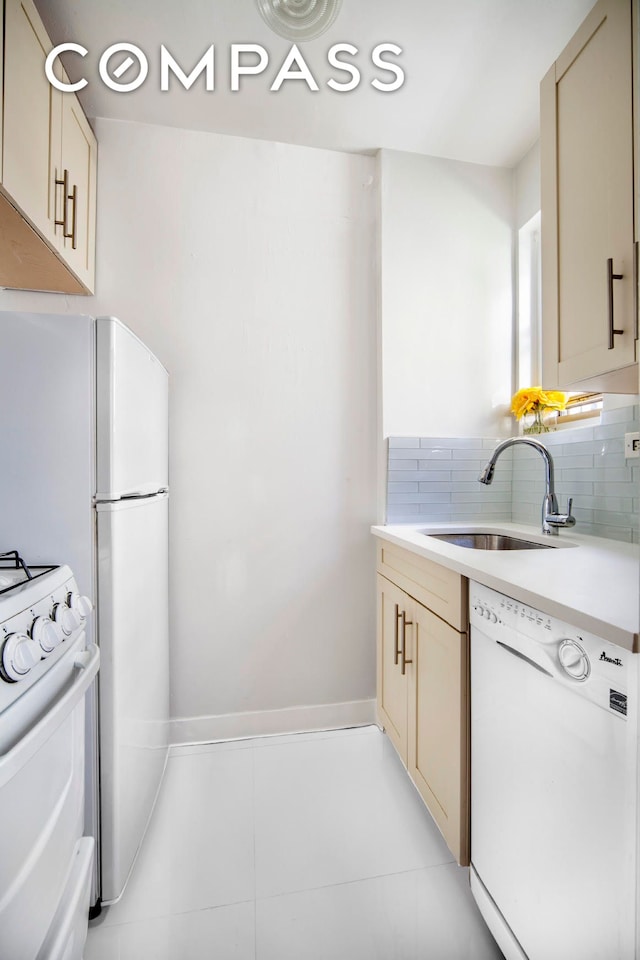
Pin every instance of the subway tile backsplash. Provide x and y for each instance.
(436, 479)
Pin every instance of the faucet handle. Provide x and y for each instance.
(569, 505)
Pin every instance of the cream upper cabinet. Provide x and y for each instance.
(48, 184)
(588, 251)
(27, 114)
(75, 177)
(422, 683)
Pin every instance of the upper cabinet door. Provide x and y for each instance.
(27, 114)
(77, 199)
(587, 203)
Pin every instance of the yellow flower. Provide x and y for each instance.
(531, 399)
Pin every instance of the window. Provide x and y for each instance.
(528, 341)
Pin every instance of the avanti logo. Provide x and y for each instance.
(244, 60)
(616, 661)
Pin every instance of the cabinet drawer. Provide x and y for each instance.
(441, 590)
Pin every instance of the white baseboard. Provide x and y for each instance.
(260, 723)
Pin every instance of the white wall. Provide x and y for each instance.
(248, 267)
(527, 175)
(446, 296)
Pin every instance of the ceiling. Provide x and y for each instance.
(472, 71)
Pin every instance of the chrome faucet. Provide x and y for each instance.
(551, 519)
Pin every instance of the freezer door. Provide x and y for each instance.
(134, 677)
(132, 403)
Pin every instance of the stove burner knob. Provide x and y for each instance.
(493, 617)
(19, 655)
(64, 619)
(44, 632)
(80, 605)
(574, 660)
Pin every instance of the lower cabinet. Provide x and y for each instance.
(422, 695)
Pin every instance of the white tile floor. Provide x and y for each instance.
(312, 847)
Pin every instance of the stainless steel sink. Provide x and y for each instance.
(489, 541)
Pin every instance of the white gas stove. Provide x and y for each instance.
(46, 668)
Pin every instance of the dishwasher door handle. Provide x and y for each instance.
(523, 656)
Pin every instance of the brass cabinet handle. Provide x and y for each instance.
(395, 639)
(405, 623)
(73, 197)
(636, 305)
(64, 183)
(74, 200)
(611, 276)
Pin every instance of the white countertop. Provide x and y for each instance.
(589, 582)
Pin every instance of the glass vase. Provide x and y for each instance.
(537, 424)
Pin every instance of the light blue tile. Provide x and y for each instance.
(613, 519)
(574, 462)
(467, 464)
(395, 498)
(490, 443)
(479, 510)
(526, 513)
(434, 461)
(433, 476)
(401, 464)
(619, 504)
(610, 489)
(621, 415)
(438, 486)
(498, 486)
(401, 510)
(408, 487)
(613, 430)
(611, 533)
(600, 475)
(451, 443)
(523, 486)
(599, 448)
(482, 496)
(575, 487)
(575, 434)
(613, 445)
(435, 510)
(427, 454)
(404, 443)
(552, 439)
(468, 475)
(581, 515)
(470, 453)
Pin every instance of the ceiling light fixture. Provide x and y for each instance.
(299, 20)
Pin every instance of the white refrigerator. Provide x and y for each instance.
(85, 482)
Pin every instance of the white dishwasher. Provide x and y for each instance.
(554, 785)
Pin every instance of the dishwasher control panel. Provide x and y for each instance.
(599, 668)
